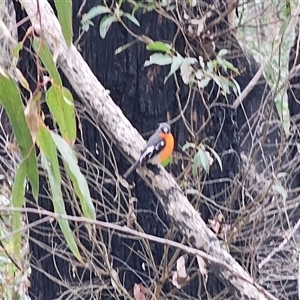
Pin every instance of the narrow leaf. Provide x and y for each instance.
(217, 157)
(158, 59)
(222, 52)
(124, 47)
(46, 57)
(131, 18)
(186, 72)
(60, 102)
(203, 82)
(159, 46)
(64, 12)
(204, 160)
(196, 163)
(50, 164)
(187, 146)
(95, 11)
(79, 181)
(18, 192)
(15, 53)
(176, 62)
(106, 23)
(11, 100)
(86, 25)
(22, 80)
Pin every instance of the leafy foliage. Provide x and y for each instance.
(11, 100)
(64, 11)
(106, 21)
(50, 164)
(29, 128)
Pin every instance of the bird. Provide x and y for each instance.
(159, 147)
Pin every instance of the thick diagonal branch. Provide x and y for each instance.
(121, 132)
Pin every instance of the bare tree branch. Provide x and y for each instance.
(121, 132)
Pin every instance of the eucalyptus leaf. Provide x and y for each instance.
(158, 59)
(64, 12)
(50, 164)
(106, 23)
(11, 100)
(131, 18)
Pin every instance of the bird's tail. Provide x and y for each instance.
(131, 169)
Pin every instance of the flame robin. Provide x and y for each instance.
(159, 147)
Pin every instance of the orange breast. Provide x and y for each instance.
(167, 151)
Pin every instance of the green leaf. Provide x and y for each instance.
(217, 157)
(176, 62)
(131, 18)
(200, 159)
(236, 87)
(22, 80)
(210, 67)
(11, 100)
(93, 12)
(15, 53)
(196, 163)
(79, 181)
(46, 57)
(277, 186)
(159, 59)
(64, 12)
(204, 160)
(50, 164)
(222, 52)
(203, 82)
(86, 25)
(287, 8)
(186, 72)
(191, 191)
(18, 192)
(188, 145)
(106, 23)
(190, 60)
(61, 105)
(201, 62)
(159, 46)
(226, 65)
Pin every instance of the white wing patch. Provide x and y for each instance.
(160, 145)
(146, 153)
(151, 153)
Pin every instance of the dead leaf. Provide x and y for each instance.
(114, 280)
(23, 81)
(227, 231)
(32, 118)
(210, 159)
(202, 267)
(216, 223)
(180, 276)
(131, 216)
(12, 147)
(139, 292)
(186, 72)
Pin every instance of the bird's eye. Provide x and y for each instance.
(165, 129)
